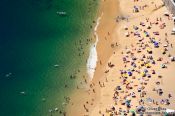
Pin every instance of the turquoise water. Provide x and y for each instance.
(33, 38)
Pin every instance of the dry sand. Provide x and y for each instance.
(98, 98)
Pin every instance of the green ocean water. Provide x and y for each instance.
(33, 38)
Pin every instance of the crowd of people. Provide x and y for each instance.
(139, 67)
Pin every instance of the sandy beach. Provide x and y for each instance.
(135, 65)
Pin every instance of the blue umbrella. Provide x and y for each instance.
(156, 44)
(130, 73)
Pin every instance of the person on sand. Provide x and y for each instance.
(169, 95)
(77, 87)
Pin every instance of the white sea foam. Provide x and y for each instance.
(93, 58)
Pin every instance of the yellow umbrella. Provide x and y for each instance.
(148, 65)
(143, 74)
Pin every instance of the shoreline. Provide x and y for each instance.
(93, 56)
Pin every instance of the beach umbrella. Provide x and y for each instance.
(121, 72)
(134, 58)
(148, 75)
(140, 109)
(156, 33)
(173, 19)
(172, 58)
(156, 44)
(125, 75)
(135, 27)
(134, 65)
(142, 59)
(163, 66)
(127, 34)
(125, 27)
(166, 14)
(142, 63)
(128, 51)
(149, 50)
(136, 9)
(152, 61)
(149, 100)
(143, 74)
(132, 111)
(169, 55)
(118, 88)
(132, 69)
(113, 108)
(148, 27)
(148, 65)
(129, 73)
(124, 58)
(165, 45)
(127, 103)
(153, 72)
(173, 30)
(145, 70)
(142, 23)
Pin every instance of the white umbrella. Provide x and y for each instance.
(173, 29)
(173, 18)
(125, 27)
(166, 13)
(127, 34)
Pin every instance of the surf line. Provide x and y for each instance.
(93, 57)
